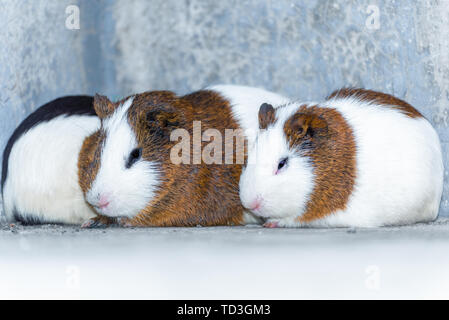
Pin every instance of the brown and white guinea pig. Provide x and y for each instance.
(39, 172)
(126, 171)
(359, 159)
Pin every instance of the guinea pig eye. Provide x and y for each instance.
(134, 156)
(282, 163)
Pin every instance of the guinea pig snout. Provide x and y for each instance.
(255, 204)
(103, 202)
(100, 201)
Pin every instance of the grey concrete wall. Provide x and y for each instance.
(304, 49)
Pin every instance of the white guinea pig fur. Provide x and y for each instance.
(39, 172)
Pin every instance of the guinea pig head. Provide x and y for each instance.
(121, 165)
(279, 176)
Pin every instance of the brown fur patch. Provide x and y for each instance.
(322, 135)
(378, 98)
(89, 160)
(189, 194)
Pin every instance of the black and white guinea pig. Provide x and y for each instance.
(39, 172)
(359, 159)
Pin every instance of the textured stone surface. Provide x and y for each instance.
(304, 49)
(225, 263)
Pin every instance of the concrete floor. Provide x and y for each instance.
(225, 262)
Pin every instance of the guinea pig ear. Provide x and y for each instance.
(266, 115)
(302, 124)
(103, 106)
(165, 119)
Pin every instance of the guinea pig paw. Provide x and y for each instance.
(96, 222)
(271, 224)
(124, 222)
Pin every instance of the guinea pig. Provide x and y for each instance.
(126, 168)
(40, 172)
(359, 159)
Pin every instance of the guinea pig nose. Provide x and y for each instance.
(255, 205)
(103, 202)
